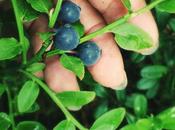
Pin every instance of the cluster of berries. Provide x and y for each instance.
(67, 38)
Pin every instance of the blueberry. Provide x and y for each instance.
(89, 53)
(69, 12)
(66, 38)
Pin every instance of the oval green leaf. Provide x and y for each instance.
(168, 118)
(65, 125)
(5, 121)
(27, 96)
(73, 64)
(41, 5)
(30, 125)
(75, 100)
(128, 39)
(154, 71)
(36, 67)
(145, 84)
(26, 12)
(9, 48)
(110, 120)
(140, 105)
(167, 6)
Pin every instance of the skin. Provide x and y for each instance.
(109, 71)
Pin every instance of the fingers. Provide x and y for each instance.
(113, 9)
(57, 77)
(109, 71)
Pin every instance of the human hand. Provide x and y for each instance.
(109, 71)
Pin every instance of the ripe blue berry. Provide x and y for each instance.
(69, 12)
(89, 53)
(66, 38)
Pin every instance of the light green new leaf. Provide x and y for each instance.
(9, 48)
(65, 125)
(110, 120)
(27, 14)
(5, 121)
(131, 37)
(73, 64)
(41, 5)
(75, 100)
(167, 6)
(27, 96)
(154, 71)
(36, 67)
(127, 4)
(168, 118)
(30, 125)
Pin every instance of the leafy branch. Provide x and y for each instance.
(120, 21)
(101, 31)
(55, 99)
(20, 30)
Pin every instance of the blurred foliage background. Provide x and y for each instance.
(151, 81)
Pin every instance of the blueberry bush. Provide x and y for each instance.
(27, 102)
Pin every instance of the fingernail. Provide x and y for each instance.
(123, 85)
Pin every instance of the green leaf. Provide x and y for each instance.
(44, 36)
(121, 95)
(101, 109)
(26, 45)
(65, 125)
(140, 105)
(9, 48)
(41, 5)
(144, 83)
(73, 64)
(172, 24)
(130, 127)
(110, 120)
(144, 124)
(75, 100)
(79, 28)
(152, 92)
(30, 125)
(127, 4)
(5, 121)
(36, 67)
(167, 6)
(128, 39)
(168, 118)
(35, 107)
(137, 58)
(154, 71)
(2, 89)
(27, 14)
(27, 96)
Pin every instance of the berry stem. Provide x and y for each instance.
(20, 30)
(39, 54)
(120, 21)
(55, 99)
(54, 16)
